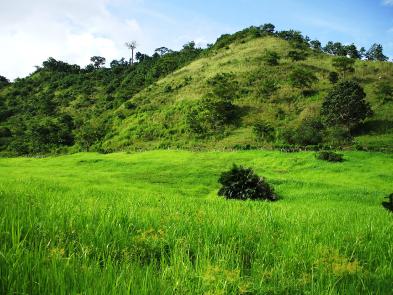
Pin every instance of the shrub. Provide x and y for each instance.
(297, 55)
(302, 78)
(224, 86)
(243, 184)
(263, 131)
(271, 58)
(389, 205)
(211, 115)
(384, 91)
(330, 156)
(333, 77)
(268, 87)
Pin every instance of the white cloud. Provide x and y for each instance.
(388, 2)
(70, 30)
(75, 30)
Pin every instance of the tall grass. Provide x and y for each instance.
(151, 223)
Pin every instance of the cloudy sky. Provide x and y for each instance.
(74, 30)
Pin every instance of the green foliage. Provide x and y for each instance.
(330, 156)
(344, 65)
(389, 204)
(309, 132)
(263, 131)
(271, 58)
(316, 45)
(345, 105)
(224, 86)
(3, 81)
(122, 107)
(384, 91)
(211, 115)
(333, 77)
(268, 29)
(98, 61)
(376, 53)
(302, 78)
(267, 88)
(243, 184)
(297, 55)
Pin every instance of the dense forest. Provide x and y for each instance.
(256, 88)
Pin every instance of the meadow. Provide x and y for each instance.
(151, 223)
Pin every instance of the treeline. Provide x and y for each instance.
(375, 52)
(62, 105)
(65, 107)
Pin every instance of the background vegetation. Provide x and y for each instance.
(256, 88)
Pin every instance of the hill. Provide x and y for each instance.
(255, 88)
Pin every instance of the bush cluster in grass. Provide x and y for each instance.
(243, 184)
(330, 156)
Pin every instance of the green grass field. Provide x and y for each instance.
(151, 223)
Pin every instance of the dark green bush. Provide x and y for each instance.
(271, 58)
(389, 205)
(330, 156)
(243, 184)
(333, 77)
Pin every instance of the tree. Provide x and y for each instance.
(345, 105)
(316, 45)
(162, 51)
(353, 52)
(118, 63)
(344, 65)
(3, 81)
(302, 78)
(335, 48)
(268, 29)
(362, 52)
(131, 45)
(98, 61)
(376, 53)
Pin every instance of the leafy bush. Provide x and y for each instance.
(271, 58)
(297, 55)
(263, 131)
(384, 91)
(243, 184)
(389, 205)
(333, 77)
(268, 87)
(330, 156)
(302, 78)
(224, 86)
(211, 115)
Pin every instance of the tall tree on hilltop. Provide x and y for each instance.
(131, 45)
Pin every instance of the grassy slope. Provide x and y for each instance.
(159, 122)
(151, 222)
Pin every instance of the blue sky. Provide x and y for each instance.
(74, 30)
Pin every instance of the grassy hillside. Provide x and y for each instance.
(224, 97)
(160, 120)
(150, 223)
